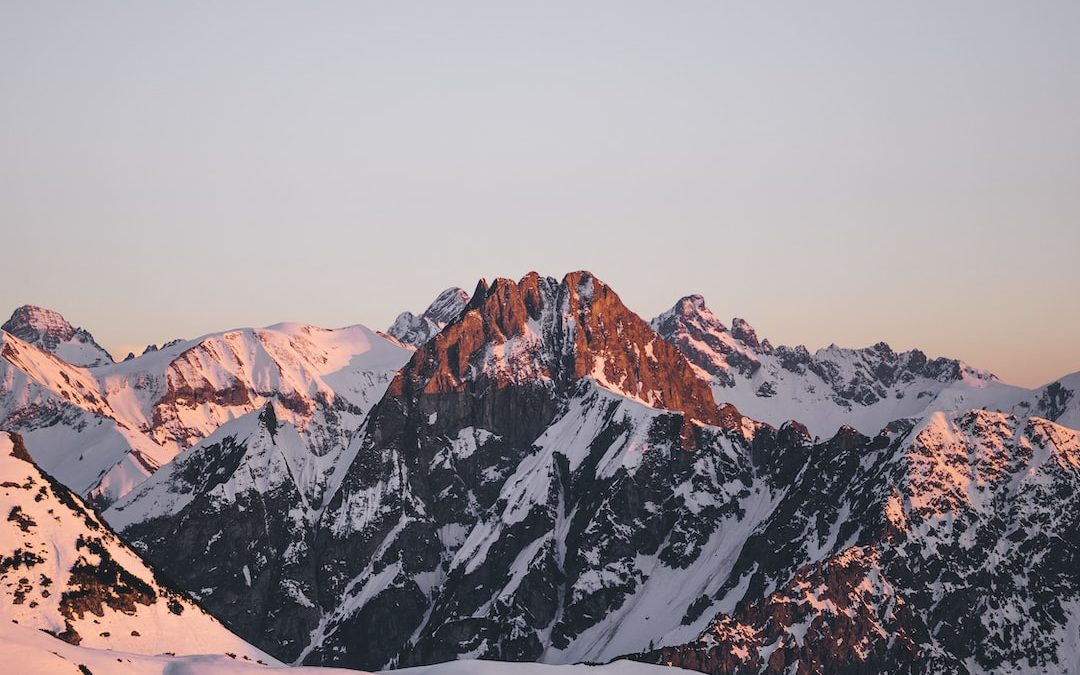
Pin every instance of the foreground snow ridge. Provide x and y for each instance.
(31, 652)
(65, 573)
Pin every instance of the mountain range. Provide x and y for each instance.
(533, 472)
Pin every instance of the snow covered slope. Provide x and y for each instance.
(470, 667)
(183, 392)
(76, 434)
(63, 571)
(833, 387)
(103, 430)
(272, 454)
(949, 544)
(247, 499)
(51, 332)
(39, 654)
(1058, 402)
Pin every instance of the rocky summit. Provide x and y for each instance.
(50, 331)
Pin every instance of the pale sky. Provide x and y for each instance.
(833, 172)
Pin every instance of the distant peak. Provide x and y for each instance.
(447, 305)
(49, 330)
(882, 348)
(39, 320)
(693, 306)
(578, 277)
(688, 316)
(581, 283)
(501, 285)
(693, 302)
(412, 330)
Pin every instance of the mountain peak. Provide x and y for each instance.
(50, 331)
(539, 330)
(34, 324)
(479, 293)
(690, 309)
(706, 341)
(447, 305)
(692, 304)
(413, 330)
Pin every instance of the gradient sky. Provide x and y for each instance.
(833, 172)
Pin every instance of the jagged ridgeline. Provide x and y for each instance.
(534, 472)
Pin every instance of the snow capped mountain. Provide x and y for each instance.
(104, 430)
(862, 388)
(535, 473)
(77, 436)
(549, 479)
(504, 551)
(183, 392)
(413, 330)
(471, 470)
(63, 571)
(48, 330)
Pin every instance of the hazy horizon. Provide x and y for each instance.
(843, 174)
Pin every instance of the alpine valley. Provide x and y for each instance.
(527, 477)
